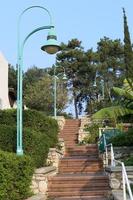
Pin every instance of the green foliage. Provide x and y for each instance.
(33, 75)
(112, 112)
(12, 78)
(75, 62)
(39, 95)
(124, 107)
(124, 139)
(15, 176)
(92, 134)
(39, 134)
(128, 53)
(128, 161)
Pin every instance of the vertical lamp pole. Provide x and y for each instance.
(55, 89)
(50, 47)
(55, 86)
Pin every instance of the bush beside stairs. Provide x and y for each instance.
(80, 174)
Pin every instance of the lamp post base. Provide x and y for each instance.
(19, 152)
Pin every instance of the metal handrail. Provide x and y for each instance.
(125, 179)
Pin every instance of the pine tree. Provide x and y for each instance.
(128, 53)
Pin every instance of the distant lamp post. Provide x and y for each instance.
(102, 84)
(64, 77)
(50, 47)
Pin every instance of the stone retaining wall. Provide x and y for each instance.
(53, 157)
(122, 152)
(115, 176)
(86, 120)
(40, 177)
(60, 121)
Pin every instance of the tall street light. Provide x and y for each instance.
(101, 83)
(64, 77)
(51, 47)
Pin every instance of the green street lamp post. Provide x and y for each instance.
(51, 47)
(101, 83)
(64, 77)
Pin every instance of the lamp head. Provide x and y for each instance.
(51, 46)
(64, 77)
(94, 84)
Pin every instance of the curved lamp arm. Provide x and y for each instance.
(19, 21)
(20, 48)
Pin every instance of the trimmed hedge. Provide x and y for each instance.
(15, 176)
(39, 134)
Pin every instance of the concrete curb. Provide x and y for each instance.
(38, 197)
(118, 195)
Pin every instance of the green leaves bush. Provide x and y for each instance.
(123, 139)
(15, 176)
(92, 133)
(39, 134)
(128, 161)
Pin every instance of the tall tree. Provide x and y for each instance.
(74, 60)
(39, 95)
(107, 64)
(128, 53)
(33, 75)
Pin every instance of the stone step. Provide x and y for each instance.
(79, 193)
(79, 177)
(82, 198)
(79, 185)
(61, 188)
(76, 154)
(83, 169)
(80, 160)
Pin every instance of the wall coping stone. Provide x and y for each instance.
(118, 195)
(118, 169)
(123, 148)
(45, 170)
(37, 197)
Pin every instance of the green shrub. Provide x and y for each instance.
(123, 139)
(128, 161)
(92, 133)
(36, 144)
(39, 134)
(15, 176)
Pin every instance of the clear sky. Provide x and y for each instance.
(87, 20)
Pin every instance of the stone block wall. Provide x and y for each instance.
(115, 176)
(40, 178)
(122, 152)
(53, 157)
(86, 120)
(60, 121)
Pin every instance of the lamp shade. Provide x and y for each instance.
(64, 77)
(51, 46)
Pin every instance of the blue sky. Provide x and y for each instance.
(87, 20)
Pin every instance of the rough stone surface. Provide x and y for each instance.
(122, 152)
(86, 120)
(39, 180)
(42, 187)
(60, 121)
(118, 195)
(38, 197)
(115, 183)
(53, 157)
(115, 175)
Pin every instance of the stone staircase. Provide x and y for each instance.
(80, 174)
